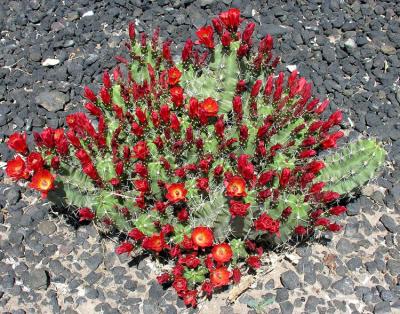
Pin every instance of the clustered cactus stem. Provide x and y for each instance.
(202, 160)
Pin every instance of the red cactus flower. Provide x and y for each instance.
(124, 247)
(238, 208)
(176, 93)
(202, 237)
(207, 287)
(190, 298)
(89, 94)
(16, 169)
(236, 275)
(17, 142)
(266, 223)
(141, 151)
(205, 35)
(231, 19)
(141, 185)
(226, 39)
(300, 230)
(222, 252)
(220, 277)
(176, 192)
(154, 243)
(254, 261)
(235, 187)
(337, 210)
(174, 76)
(202, 184)
(131, 30)
(284, 177)
(163, 278)
(334, 227)
(183, 215)
(209, 107)
(136, 234)
(85, 214)
(180, 284)
(190, 260)
(42, 181)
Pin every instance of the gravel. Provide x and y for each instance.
(51, 49)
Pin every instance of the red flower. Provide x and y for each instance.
(89, 94)
(337, 210)
(183, 215)
(245, 167)
(190, 298)
(131, 31)
(17, 142)
(207, 287)
(236, 275)
(178, 270)
(254, 261)
(105, 96)
(284, 178)
(154, 243)
(174, 76)
(85, 214)
(231, 19)
(180, 284)
(235, 187)
(202, 237)
(124, 247)
(334, 227)
(176, 93)
(141, 185)
(141, 151)
(238, 208)
(163, 278)
(136, 234)
(266, 223)
(226, 39)
(300, 230)
(322, 222)
(164, 113)
(42, 181)
(220, 277)
(205, 35)
(266, 177)
(209, 108)
(286, 212)
(222, 252)
(202, 184)
(330, 196)
(176, 192)
(16, 169)
(187, 50)
(256, 88)
(55, 162)
(190, 260)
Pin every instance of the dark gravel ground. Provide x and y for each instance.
(50, 49)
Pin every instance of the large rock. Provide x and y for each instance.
(38, 279)
(52, 100)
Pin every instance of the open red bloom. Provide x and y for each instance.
(231, 19)
(154, 243)
(17, 142)
(220, 277)
(176, 192)
(124, 247)
(85, 214)
(235, 187)
(141, 185)
(16, 169)
(141, 151)
(202, 237)
(42, 181)
(222, 253)
(174, 76)
(238, 208)
(180, 284)
(209, 107)
(205, 35)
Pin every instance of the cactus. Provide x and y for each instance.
(204, 160)
(352, 166)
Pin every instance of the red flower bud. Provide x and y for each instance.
(248, 32)
(89, 94)
(256, 88)
(226, 39)
(284, 177)
(131, 30)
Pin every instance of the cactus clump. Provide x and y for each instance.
(200, 160)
